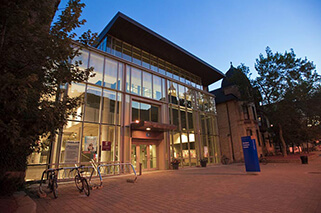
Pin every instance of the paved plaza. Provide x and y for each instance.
(287, 187)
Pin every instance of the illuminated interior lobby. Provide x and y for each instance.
(148, 103)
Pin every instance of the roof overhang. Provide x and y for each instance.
(130, 31)
(152, 126)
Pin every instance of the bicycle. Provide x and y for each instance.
(225, 160)
(52, 176)
(80, 181)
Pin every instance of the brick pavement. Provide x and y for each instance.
(222, 188)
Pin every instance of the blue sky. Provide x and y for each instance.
(222, 31)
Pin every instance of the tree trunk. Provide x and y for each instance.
(283, 142)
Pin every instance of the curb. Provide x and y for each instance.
(25, 203)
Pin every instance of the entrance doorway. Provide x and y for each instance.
(144, 154)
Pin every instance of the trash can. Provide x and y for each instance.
(304, 159)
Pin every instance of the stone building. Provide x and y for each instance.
(236, 117)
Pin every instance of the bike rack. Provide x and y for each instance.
(94, 168)
(41, 192)
(114, 165)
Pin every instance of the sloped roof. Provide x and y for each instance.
(132, 32)
(220, 97)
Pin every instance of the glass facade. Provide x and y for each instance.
(146, 89)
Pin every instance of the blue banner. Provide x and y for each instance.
(250, 154)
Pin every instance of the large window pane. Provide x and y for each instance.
(90, 142)
(177, 145)
(189, 94)
(190, 121)
(119, 108)
(157, 87)
(96, 61)
(181, 90)
(147, 84)
(92, 104)
(175, 117)
(70, 142)
(172, 92)
(110, 79)
(107, 143)
(154, 114)
(145, 112)
(183, 120)
(135, 110)
(136, 81)
(77, 91)
(109, 106)
(82, 59)
(127, 78)
(120, 76)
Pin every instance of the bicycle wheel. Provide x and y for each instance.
(54, 188)
(78, 183)
(85, 186)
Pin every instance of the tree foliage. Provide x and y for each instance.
(288, 85)
(35, 61)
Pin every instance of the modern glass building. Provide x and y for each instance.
(148, 103)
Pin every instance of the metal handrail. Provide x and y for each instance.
(114, 164)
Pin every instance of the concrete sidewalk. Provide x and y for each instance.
(278, 188)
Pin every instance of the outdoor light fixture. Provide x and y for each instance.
(148, 128)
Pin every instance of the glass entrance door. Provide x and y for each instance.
(144, 154)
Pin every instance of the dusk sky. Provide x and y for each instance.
(221, 31)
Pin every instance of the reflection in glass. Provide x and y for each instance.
(127, 78)
(181, 90)
(172, 92)
(136, 81)
(82, 59)
(92, 104)
(109, 106)
(157, 87)
(76, 90)
(96, 61)
(110, 79)
(147, 84)
(120, 76)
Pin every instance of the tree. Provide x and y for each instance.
(35, 63)
(286, 84)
